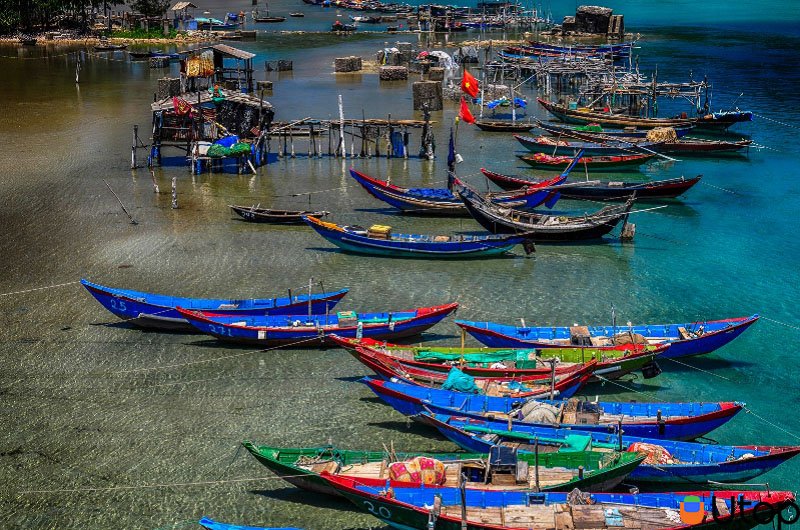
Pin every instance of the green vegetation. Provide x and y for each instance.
(40, 15)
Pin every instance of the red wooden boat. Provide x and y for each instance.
(564, 385)
(614, 361)
(591, 163)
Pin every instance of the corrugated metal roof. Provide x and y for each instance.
(182, 5)
(233, 52)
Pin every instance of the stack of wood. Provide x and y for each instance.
(347, 64)
(393, 73)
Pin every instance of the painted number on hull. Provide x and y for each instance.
(219, 330)
(119, 305)
(382, 512)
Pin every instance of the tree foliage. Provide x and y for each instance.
(37, 15)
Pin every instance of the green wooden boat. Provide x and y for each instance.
(560, 467)
(613, 361)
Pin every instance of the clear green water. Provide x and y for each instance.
(90, 403)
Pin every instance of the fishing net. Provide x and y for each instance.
(240, 148)
(654, 454)
(538, 412)
(460, 382)
(662, 134)
(218, 151)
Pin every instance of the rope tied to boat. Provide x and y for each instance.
(748, 410)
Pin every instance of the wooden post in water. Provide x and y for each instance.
(174, 193)
(341, 128)
(120, 202)
(133, 146)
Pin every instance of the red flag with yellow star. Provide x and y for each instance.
(469, 84)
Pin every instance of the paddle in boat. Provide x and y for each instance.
(306, 329)
(500, 469)
(380, 240)
(666, 462)
(691, 338)
(158, 311)
(486, 509)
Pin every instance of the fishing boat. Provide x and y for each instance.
(668, 421)
(381, 241)
(573, 131)
(543, 227)
(667, 461)
(158, 311)
(612, 362)
(564, 385)
(255, 214)
(486, 509)
(307, 329)
(499, 469)
(503, 125)
(211, 524)
(691, 338)
(606, 119)
(722, 120)
(27, 40)
(684, 146)
(595, 190)
(442, 201)
(108, 47)
(590, 163)
(258, 17)
(343, 28)
(297, 14)
(555, 146)
(620, 50)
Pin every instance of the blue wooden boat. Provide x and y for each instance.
(723, 119)
(668, 461)
(692, 338)
(158, 311)
(451, 508)
(669, 421)
(442, 201)
(357, 239)
(304, 329)
(618, 50)
(211, 524)
(558, 146)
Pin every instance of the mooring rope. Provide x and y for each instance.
(696, 368)
(779, 322)
(777, 121)
(39, 288)
(224, 357)
(748, 410)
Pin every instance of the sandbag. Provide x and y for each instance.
(421, 469)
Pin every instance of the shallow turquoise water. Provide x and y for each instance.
(89, 405)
